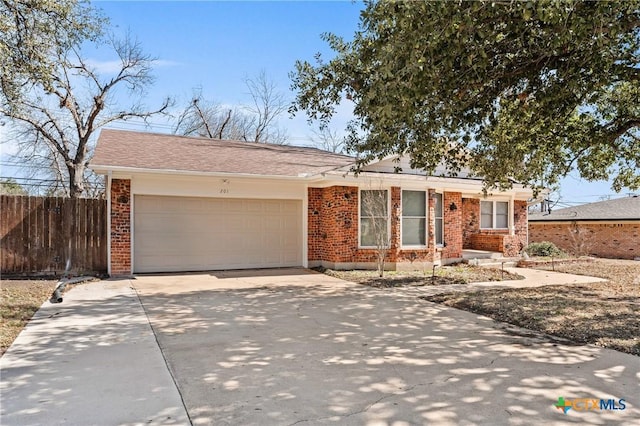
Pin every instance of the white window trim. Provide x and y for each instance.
(426, 219)
(360, 216)
(494, 215)
(435, 217)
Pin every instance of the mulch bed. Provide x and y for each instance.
(443, 275)
(603, 314)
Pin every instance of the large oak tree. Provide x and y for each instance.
(522, 91)
(33, 33)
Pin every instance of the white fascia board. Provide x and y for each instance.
(128, 171)
(449, 184)
(332, 178)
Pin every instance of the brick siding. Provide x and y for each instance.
(610, 240)
(333, 228)
(120, 227)
(453, 227)
(470, 220)
(498, 240)
(514, 244)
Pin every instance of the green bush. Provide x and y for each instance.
(545, 248)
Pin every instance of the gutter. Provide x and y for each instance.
(585, 220)
(108, 170)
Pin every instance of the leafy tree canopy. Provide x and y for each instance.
(519, 91)
(33, 33)
(9, 186)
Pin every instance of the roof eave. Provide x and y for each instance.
(614, 219)
(105, 169)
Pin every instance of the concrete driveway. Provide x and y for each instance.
(295, 347)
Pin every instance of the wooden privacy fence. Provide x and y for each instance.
(40, 234)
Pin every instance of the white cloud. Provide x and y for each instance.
(104, 67)
(166, 63)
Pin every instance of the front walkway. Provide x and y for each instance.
(532, 278)
(91, 360)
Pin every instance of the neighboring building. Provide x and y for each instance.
(604, 229)
(186, 204)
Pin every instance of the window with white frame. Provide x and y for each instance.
(374, 218)
(494, 214)
(414, 218)
(439, 219)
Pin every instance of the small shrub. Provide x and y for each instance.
(545, 248)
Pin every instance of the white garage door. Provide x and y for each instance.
(198, 234)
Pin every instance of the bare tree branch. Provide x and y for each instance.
(254, 123)
(374, 210)
(61, 120)
(326, 138)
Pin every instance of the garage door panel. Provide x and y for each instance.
(191, 234)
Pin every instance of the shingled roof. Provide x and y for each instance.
(619, 209)
(119, 149)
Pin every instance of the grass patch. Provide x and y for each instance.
(444, 275)
(19, 300)
(603, 314)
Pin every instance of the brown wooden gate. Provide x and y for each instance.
(42, 234)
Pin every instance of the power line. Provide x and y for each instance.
(25, 165)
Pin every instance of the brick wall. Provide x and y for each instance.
(453, 226)
(333, 228)
(514, 244)
(120, 227)
(315, 245)
(470, 220)
(486, 241)
(498, 240)
(610, 240)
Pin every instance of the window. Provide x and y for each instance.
(374, 218)
(414, 218)
(486, 214)
(439, 220)
(502, 214)
(494, 214)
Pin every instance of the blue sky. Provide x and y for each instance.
(216, 45)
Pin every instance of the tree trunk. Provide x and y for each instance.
(76, 180)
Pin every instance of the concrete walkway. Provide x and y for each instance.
(293, 346)
(532, 278)
(92, 360)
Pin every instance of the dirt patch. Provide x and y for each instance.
(604, 314)
(444, 275)
(19, 300)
